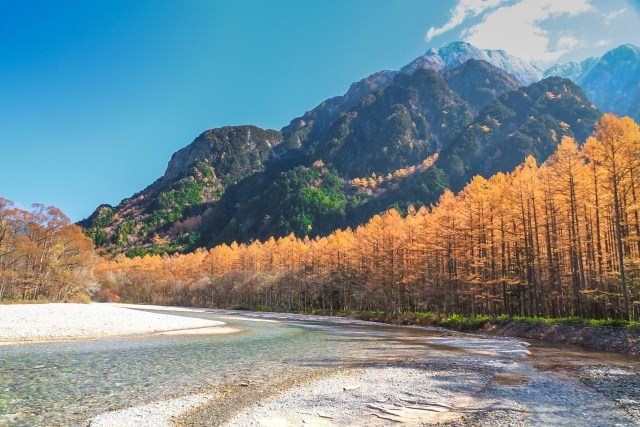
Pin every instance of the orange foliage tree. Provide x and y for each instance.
(42, 255)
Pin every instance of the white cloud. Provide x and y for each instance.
(568, 42)
(517, 29)
(608, 17)
(463, 10)
(603, 42)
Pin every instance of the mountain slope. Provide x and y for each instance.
(342, 181)
(613, 84)
(530, 120)
(479, 83)
(313, 122)
(394, 127)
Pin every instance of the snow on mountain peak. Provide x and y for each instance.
(456, 53)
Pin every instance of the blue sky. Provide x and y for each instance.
(95, 96)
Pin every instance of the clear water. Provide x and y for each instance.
(66, 383)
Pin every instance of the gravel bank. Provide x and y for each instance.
(45, 322)
(443, 395)
(445, 379)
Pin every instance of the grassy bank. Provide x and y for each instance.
(474, 323)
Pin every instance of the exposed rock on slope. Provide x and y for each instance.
(230, 153)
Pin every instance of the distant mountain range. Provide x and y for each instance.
(396, 138)
(612, 82)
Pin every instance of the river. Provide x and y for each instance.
(66, 383)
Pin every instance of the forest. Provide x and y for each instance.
(554, 240)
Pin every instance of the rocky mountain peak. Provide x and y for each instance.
(307, 128)
(217, 147)
(625, 52)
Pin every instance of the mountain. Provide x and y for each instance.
(307, 127)
(343, 179)
(395, 139)
(571, 70)
(196, 175)
(611, 82)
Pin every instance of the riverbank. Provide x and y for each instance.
(442, 393)
(22, 323)
(575, 331)
(481, 388)
(620, 340)
(156, 414)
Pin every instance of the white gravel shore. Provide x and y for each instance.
(46, 322)
(156, 414)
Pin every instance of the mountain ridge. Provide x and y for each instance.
(305, 127)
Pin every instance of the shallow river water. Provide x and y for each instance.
(66, 383)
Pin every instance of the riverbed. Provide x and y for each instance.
(280, 369)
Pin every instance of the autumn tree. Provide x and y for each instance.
(618, 154)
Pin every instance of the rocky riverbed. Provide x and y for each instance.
(621, 384)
